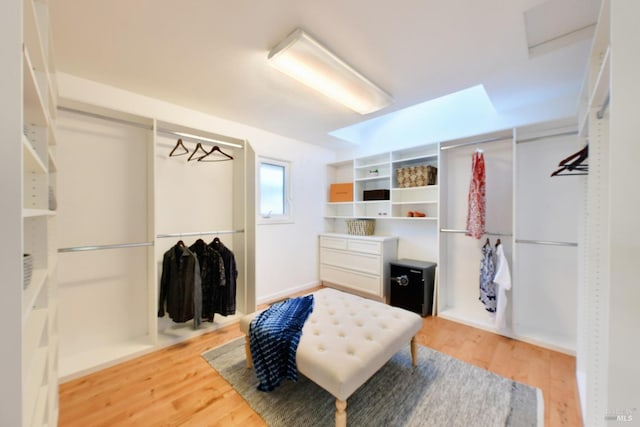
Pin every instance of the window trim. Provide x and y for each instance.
(287, 217)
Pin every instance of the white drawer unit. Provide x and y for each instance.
(357, 263)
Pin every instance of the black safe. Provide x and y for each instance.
(412, 284)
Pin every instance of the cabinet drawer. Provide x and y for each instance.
(364, 246)
(351, 279)
(333, 242)
(350, 260)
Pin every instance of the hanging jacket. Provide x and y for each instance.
(180, 286)
(212, 275)
(225, 296)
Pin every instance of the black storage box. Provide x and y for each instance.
(368, 195)
(412, 285)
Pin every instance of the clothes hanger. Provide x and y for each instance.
(576, 167)
(580, 154)
(487, 243)
(179, 144)
(215, 149)
(198, 148)
(498, 242)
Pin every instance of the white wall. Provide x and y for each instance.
(286, 254)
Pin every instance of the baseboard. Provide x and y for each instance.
(266, 299)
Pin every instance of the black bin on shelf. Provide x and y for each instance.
(411, 285)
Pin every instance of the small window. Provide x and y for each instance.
(273, 191)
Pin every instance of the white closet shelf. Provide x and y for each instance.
(33, 35)
(416, 202)
(34, 383)
(77, 365)
(41, 404)
(373, 178)
(34, 107)
(31, 213)
(34, 329)
(32, 161)
(416, 158)
(38, 279)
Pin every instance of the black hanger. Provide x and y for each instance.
(573, 165)
(487, 243)
(180, 243)
(580, 154)
(215, 149)
(498, 243)
(198, 148)
(179, 144)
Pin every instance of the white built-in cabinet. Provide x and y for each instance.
(357, 263)
(533, 214)
(379, 172)
(608, 316)
(30, 363)
(123, 202)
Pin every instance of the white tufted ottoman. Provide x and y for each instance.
(346, 340)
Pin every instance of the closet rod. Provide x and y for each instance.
(488, 233)
(545, 242)
(103, 117)
(482, 141)
(197, 138)
(605, 105)
(199, 233)
(101, 247)
(553, 135)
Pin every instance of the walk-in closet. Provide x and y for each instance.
(134, 187)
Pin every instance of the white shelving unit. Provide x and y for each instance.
(38, 388)
(378, 172)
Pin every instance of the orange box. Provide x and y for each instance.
(342, 192)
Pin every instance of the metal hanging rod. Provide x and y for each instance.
(553, 135)
(603, 109)
(199, 233)
(198, 138)
(108, 118)
(488, 233)
(546, 242)
(482, 141)
(184, 135)
(102, 247)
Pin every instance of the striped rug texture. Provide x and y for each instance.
(440, 391)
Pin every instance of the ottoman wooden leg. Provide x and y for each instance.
(341, 413)
(247, 351)
(414, 351)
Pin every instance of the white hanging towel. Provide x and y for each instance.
(502, 280)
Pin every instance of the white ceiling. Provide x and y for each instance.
(210, 55)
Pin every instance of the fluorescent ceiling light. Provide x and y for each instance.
(306, 60)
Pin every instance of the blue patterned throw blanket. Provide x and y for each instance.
(274, 336)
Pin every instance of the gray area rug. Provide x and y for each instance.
(440, 391)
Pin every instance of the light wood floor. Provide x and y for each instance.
(175, 386)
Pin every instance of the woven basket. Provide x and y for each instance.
(416, 176)
(27, 265)
(361, 227)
